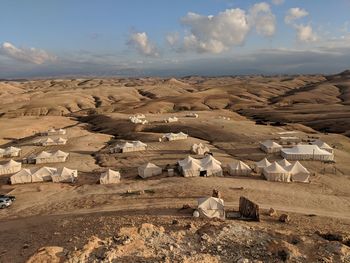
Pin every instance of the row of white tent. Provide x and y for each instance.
(51, 141)
(175, 136)
(53, 131)
(48, 157)
(10, 167)
(282, 171)
(133, 146)
(10, 152)
(44, 174)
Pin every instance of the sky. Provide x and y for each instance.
(63, 38)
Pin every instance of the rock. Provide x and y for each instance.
(284, 218)
(47, 255)
(175, 222)
(25, 246)
(186, 206)
(272, 212)
(216, 193)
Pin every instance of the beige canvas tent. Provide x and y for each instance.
(43, 174)
(199, 149)
(259, 166)
(133, 146)
(51, 141)
(22, 177)
(298, 172)
(64, 175)
(239, 168)
(10, 167)
(284, 163)
(191, 169)
(175, 136)
(322, 145)
(208, 166)
(10, 152)
(270, 146)
(211, 207)
(148, 170)
(211, 166)
(306, 152)
(276, 173)
(51, 157)
(110, 177)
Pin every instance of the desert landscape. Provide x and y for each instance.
(151, 219)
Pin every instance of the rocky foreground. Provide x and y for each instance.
(177, 239)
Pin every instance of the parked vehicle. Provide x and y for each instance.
(12, 197)
(5, 202)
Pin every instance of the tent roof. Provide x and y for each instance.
(211, 203)
(48, 140)
(283, 162)
(12, 149)
(263, 163)
(192, 165)
(45, 170)
(59, 153)
(148, 165)
(209, 158)
(23, 172)
(305, 149)
(322, 144)
(297, 168)
(111, 172)
(65, 171)
(239, 165)
(43, 154)
(60, 139)
(269, 144)
(275, 168)
(187, 160)
(10, 163)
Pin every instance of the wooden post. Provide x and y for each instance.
(248, 209)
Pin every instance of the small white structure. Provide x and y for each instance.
(64, 175)
(270, 146)
(208, 166)
(323, 146)
(43, 174)
(211, 207)
(52, 141)
(133, 146)
(284, 163)
(138, 120)
(148, 170)
(51, 157)
(298, 172)
(10, 152)
(276, 173)
(110, 177)
(52, 131)
(199, 149)
(192, 115)
(239, 168)
(289, 140)
(306, 152)
(10, 167)
(175, 136)
(259, 166)
(171, 119)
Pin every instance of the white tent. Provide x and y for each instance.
(172, 119)
(212, 168)
(199, 149)
(211, 207)
(10, 167)
(192, 115)
(276, 173)
(239, 168)
(149, 170)
(133, 146)
(187, 160)
(110, 177)
(270, 146)
(175, 136)
(322, 145)
(259, 166)
(51, 157)
(64, 175)
(55, 132)
(22, 177)
(298, 172)
(10, 152)
(43, 174)
(284, 163)
(191, 169)
(306, 152)
(138, 120)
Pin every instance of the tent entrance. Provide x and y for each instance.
(203, 173)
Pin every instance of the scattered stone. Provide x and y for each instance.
(216, 193)
(25, 246)
(284, 218)
(272, 212)
(47, 254)
(186, 206)
(175, 222)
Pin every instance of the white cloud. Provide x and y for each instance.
(215, 34)
(261, 16)
(295, 14)
(31, 55)
(172, 38)
(140, 41)
(277, 2)
(305, 33)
